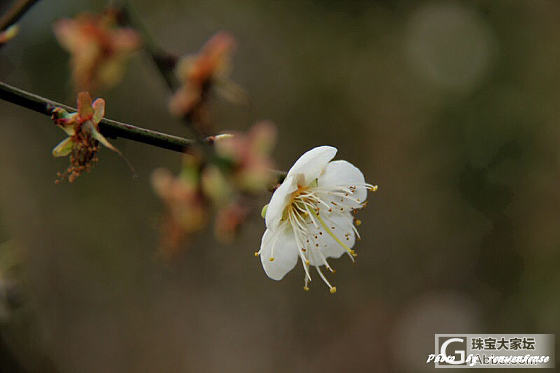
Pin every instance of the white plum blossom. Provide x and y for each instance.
(310, 215)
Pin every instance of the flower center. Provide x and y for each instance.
(315, 213)
(303, 214)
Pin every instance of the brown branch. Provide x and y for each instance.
(165, 62)
(15, 13)
(111, 128)
(108, 127)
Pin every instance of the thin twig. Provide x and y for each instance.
(15, 13)
(109, 128)
(165, 62)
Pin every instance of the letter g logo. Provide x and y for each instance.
(451, 359)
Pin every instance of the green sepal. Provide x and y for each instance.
(263, 211)
(63, 148)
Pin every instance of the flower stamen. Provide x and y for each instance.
(299, 245)
(332, 289)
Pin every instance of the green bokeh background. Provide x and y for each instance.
(452, 107)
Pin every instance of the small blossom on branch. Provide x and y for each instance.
(216, 185)
(99, 48)
(241, 166)
(246, 157)
(198, 73)
(186, 206)
(229, 220)
(82, 143)
(310, 215)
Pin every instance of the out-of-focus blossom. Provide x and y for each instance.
(310, 215)
(82, 128)
(247, 157)
(187, 210)
(200, 72)
(228, 221)
(8, 34)
(216, 186)
(98, 47)
(241, 165)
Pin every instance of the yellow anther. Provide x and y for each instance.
(257, 253)
(307, 262)
(271, 259)
(306, 288)
(333, 290)
(358, 222)
(374, 188)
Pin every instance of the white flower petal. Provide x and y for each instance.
(285, 253)
(339, 225)
(312, 163)
(343, 173)
(279, 201)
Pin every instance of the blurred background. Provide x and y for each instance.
(452, 107)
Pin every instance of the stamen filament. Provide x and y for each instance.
(299, 247)
(332, 288)
(312, 218)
